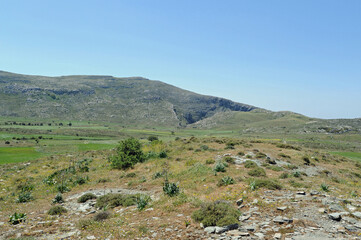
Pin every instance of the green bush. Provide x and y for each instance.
(142, 201)
(240, 153)
(257, 172)
(57, 210)
(152, 138)
(225, 181)
(210, 161)
(62, 188)
(85, 197)
(101, 216)
(113, 200)
(324, 187)
(216, 214)
(81, 180)
(260, 155)
(131, 175)
(204, 147)
(229, 159)
(17, 218)
(220, 167)
(163, 154)
(25, 197)
(128, 153)
(265, 183)
(284, 175)
(58, 198)
(250, 164)
(171, 189)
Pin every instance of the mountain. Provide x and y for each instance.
(128, 101)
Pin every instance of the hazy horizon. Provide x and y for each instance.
(302, 57)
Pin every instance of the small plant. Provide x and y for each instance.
(250, 164)
(101, 216)
(229, 159)
(249, 156)
(62, 188)
(158, 175)
(252, 185)
(324, 187)
(142, 201)
(284, 175)
(57, 210)
(17, 218)
(187, 223)
(297, 174)
(216, 214)
(220, 167)
(210, 161)
(171, 189)
(25, 197)
(260, 155)
(103, 180)
(58, 198)
(265, 183)
(85, 197)
(113, 200)
(257, 172)
(306, 160)
(152, 138)
(353, 194)
(81, 180)
(225, 181)
(163, 154)
(131, 175)
(240, 153)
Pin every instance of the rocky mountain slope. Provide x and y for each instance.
(129, 101)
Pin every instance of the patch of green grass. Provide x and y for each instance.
(18, 154)
(351, 155)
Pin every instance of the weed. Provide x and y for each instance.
(113, 200)
(58, 198)
(24, 197)
(85, 197)
(284, 175)
(265, 183)
(17, 218)
(250, 164)
(210, 161)
(101, 216)
(229, 159)
(216, 214)
(257, 172)
(142, 201)
(225, 181)
(219, 167)
(171, 189)
(57, 210)
(324, 187)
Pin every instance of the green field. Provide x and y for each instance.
(18, 154)
(352, 155)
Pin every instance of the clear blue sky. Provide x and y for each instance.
(302, 56)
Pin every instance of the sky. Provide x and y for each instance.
(301, 56)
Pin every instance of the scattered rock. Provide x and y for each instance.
(239, 202)
(335, 216)
(357, 214)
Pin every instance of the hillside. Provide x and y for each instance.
(129, 101)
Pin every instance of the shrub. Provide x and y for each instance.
(142, 201)
(17, 218)
(260, 155)
(113, 200)
(220, 167)
(284, 155)
(62, 188)
(57, 210)
(265, 183)
(128, 153)
(216, 214)
(240, 153)
(204, 147)
(25, 187)
(152, 138)
(257, 172)
(284, 175)
(250, 164)
(163, 154)
(297, 174)
(287, 146)
(229, 159)
(25, 197)
(210, 161)
(101, 216)
(229, 145)
(248, 156)
(158, 175)
(85, 223)
(171, 189)
(58, 198)
(324, 187)
(131, 175)
(83, 165)
(306, 160)
(81, 180)
(85, 197)
(225, 181)
(103, 180)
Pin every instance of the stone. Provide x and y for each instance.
(350, 220)
(279, 219)
(282, 208)
(277, 236)
(210, 230)
(243, 234)
(301, 193)
(220, 230)
(250, 228)
(239, 202)
(244, 218)
(259, 235)
(90, 237)
(335, 216)
(271, 161)
(351, 228)
(322, 210)
(336, 208)
(351, 208)
(356, 214)
(314, 192)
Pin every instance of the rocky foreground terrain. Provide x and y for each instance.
(281, 191)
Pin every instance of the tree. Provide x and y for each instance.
(128, 153)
